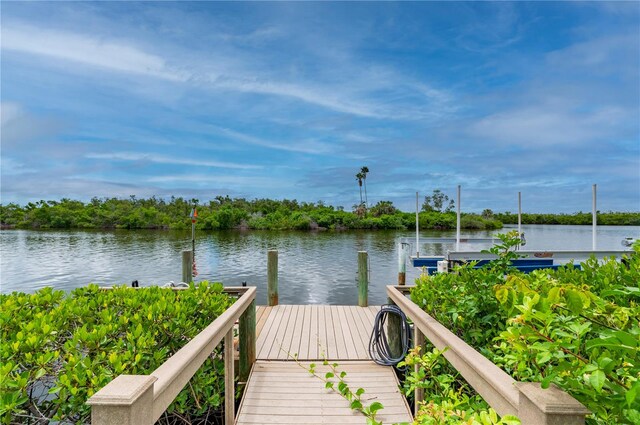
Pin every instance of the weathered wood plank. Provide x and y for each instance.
(288, 334)
(358, 332)
(285, 393)
(332, 348)
(274, 321)
(314, 339)
(346, 333)
(303, 353)
(341, 348)
(278, 345)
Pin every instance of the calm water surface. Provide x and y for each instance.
(314, 267)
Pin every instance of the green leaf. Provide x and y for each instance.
(375, 406)
(329, 375)
(329, 385)
(356, 404)
(574, 301)
(502, 295)
(360, 391)
(543, 357)
(597, 380)
(632, 394)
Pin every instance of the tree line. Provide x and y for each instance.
(224, 213)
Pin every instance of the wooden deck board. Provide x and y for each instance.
(314, 332)
(285, 393)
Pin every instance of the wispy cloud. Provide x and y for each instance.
(163, 159)
(83, 49)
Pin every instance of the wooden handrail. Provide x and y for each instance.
(141, 399)
(174, 374)
(534, 405)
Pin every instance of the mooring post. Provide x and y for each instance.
(187, 266)
(363, 279)
(272, 277)
(394, 328)
(402, 264)
(247, 330)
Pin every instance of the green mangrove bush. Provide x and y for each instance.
(576, 328)
(58, 349)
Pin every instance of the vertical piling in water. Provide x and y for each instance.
(594, 219)
(187, 266)
(272, 277)
(363, 279)
(402, 264)
(417, 228)
(458, 222)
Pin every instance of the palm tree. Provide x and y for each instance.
(364, 171)
(359, 177)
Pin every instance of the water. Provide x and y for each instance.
(315, 267)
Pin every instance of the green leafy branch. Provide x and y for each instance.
(340, 386)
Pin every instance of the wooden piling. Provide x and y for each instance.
(363, 279)
(247, 330)
(272, 277)
(402, 264)
(187, 266)
(394, 329)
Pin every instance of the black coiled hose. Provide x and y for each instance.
(379, 350)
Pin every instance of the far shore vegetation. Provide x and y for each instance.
(438, 212)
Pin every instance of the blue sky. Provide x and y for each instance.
(289, 100)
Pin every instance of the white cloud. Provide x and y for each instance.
(162, 159)
(306, 146)
(358, 94)
(86, 50)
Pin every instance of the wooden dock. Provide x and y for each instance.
(281, 391)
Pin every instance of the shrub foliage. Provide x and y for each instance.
(57, 350)
(576, 328)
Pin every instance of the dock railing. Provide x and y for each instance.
(142, 399)
(527, 400)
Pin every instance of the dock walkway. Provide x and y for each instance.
(281, 391)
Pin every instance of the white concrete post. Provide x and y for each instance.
(551, 406)
(127, 400)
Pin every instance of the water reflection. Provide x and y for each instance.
(315, 267)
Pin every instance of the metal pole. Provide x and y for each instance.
(193, 239)
(519, 214)
(458, 223)
(417, 228)
(594, 219)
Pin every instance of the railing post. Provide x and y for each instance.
(127, 400)
(187, 266)
(363, 279)
(229, 376)
(551, 406)
(272, 277)
(419, 392)
(247, 330)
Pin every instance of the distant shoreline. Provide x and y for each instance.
(226, 213)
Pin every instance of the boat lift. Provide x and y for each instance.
(529, 261)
